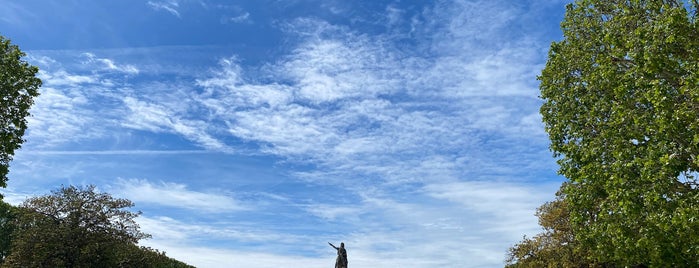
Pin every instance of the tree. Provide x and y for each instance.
(18, 87)
(7, 216)
(621, 107)
(73, 227)
(555, 246)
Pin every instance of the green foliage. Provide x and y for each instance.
(18, 86)
(555, 247)
(621, 107)
(72, 227)
(79, 227)
(131, 255)
(7, 217)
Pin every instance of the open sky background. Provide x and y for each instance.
(251, 133)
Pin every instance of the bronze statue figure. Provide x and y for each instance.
(341, 261)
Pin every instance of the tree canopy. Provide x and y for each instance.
(555, 246)
(18, 87)
(621, 107)
(7, 217)
(79, 227)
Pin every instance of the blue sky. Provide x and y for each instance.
(251, 133)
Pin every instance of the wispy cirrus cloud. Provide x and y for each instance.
(72, 99)
(240, 18)
(176, 195)
(13, 197)
(98, 93)
(61, 111)
(170, 6)
(156, 117)
(177, 231)
(348, 98)
(63, 78)
(109, 64)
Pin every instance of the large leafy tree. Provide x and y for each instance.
(18, 87)
(621, 107)
(73, 227)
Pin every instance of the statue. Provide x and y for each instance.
(341, 261)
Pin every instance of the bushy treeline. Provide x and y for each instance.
(75, 227)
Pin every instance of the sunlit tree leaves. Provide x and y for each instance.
(18, 87)
(555, 246)
(621, 106)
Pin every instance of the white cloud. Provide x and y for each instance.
(241, 18)
(500, 199)
(332, 70)
(41, 60)
(334, 6)
(170, 6)
(157, 117)
(63, 78)
(336, 79)
(173, 231)
(394, 15)
(330, 212)
(57, 111)
(14, 198)
(176, 195)
(147, 116)
(97, 98)
(108, 64)
(77, 102)
(227, 91)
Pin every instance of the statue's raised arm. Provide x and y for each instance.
(331, 244)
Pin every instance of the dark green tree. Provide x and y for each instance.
(7, 217)
(131, 255)
(18, 87)
(621, 107)
(73, 227)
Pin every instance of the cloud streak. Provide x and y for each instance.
(170, 6)
(176, 195)
(109, 64)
